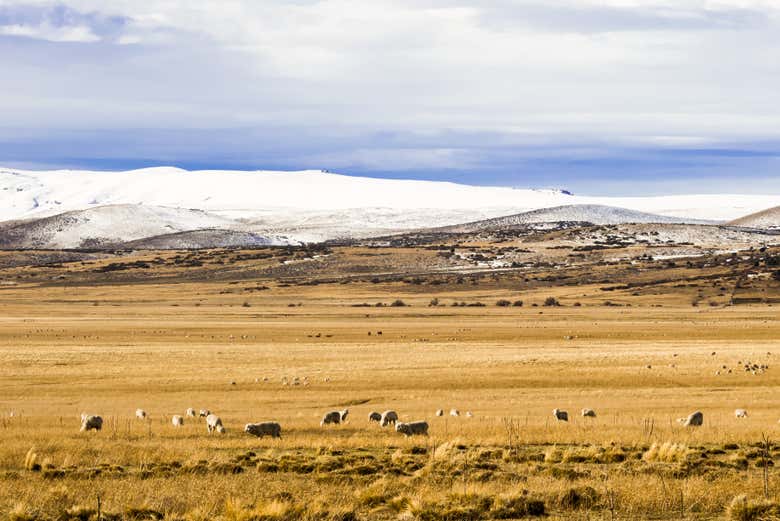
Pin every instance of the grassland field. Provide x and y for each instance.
(102, 345)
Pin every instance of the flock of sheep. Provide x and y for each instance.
(384, 419)
(90, 422)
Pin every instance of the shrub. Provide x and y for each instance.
(742, 509)
(551, 302)
(517, 303)
(503, 303)
(434, 302)
(398, 303)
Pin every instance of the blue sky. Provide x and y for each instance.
(601, 97)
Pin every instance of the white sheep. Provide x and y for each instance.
(388, 417)
(261, 429)
(140, 414)
(91, 422)
(695, 419)
(214, 423)
(190, 413)
(439, 412)
(412, 428)
(177, 420)
(454, 412)
(204, 413)
(333, 417)
(741, 413)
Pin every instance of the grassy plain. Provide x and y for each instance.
(107, 347)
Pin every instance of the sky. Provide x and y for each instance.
(604, 97)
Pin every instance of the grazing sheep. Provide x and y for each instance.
(214, 423)
(454, 412)
(561, 416)
(140, 414)
(190, 413)
(439, 412)
(333, 417)
(388, 417)
(177, 420)
(412, 428)
(469, 414)
(374, 417)
(695, 419)
(91, 422)
(588, 413)
(343, 415)
(740, 413)
(204, 413)
(272, 429)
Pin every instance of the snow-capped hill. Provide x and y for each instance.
(249, 195)
(102, 225)
(585, 213)
(768, 219)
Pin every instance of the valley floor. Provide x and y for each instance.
(89, 343)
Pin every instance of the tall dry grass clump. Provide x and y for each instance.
(744, 509)
(667, 452)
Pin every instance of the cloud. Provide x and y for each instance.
(416, 85)
(58, 23)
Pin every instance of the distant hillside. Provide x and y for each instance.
(586, 213)
(766, 219)
(200, 239)
(104, 225)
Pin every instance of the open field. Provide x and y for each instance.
(221, 330)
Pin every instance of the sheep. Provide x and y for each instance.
(588, 413)
(333, 417)
(177, 420)
(214, 423)
(204, 413)
(695, 419)
(388, 417)
(261, 429)
(561, 416)
(412, 428)
(740, 413)
(374, 417)
(140, 414)
(439, 412)
(454, 412)
(91, 422)
(469, 414)
(190, 413)
(343, 415)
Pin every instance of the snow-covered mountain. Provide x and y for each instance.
(65, 209)
(252, 194)
(108, 225)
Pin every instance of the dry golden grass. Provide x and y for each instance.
(164, 347)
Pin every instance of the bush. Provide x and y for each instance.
(434, 302)
(742, 509)
(503, 303)
(517, 303)
(551, 301)
(398, 303)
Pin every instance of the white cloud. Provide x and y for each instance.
(45, 31)
(620, 70)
